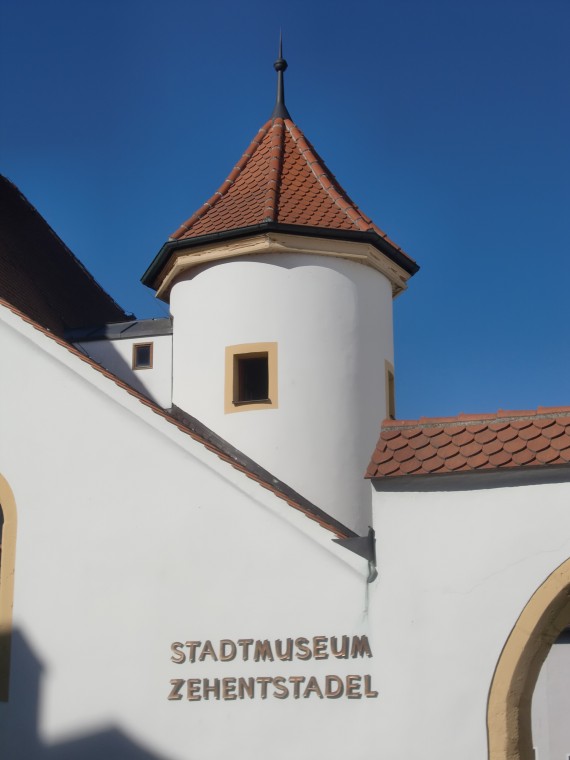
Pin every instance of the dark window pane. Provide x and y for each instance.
(142, 356)
(253, 379)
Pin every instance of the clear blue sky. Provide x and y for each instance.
(448, 122)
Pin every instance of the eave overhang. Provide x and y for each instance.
(366, 247)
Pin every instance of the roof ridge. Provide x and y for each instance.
(319, 170)
(226, 184)
(541, 412)
(276, 150)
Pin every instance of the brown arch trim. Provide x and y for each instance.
(545, 615)
(8, 504)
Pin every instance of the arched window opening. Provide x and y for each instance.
(542, 623)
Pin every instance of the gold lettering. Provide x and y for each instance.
(207, 651)
(343, 651)
(264, 680)
(246, 686)
(282, 692)
(301, 645)
(353, 687)
(313, 688)
(193, 689)
(226, 644)
(360, 646)
(215, 689)
(296, 681)
(192, 646)
(245, 645)
(228, 688)
(288, 654)
(368, 691)
(177, 684)
(263, 651)
(320, 647)
(178, 655)
(331, 693)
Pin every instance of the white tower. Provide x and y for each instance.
(281, 293)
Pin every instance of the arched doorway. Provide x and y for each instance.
(509, 706)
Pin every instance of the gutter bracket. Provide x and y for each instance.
(364, 546)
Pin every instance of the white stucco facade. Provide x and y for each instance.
(157, 540)
(133, 536)
(332, 322)
(458, 562)
(117, 357)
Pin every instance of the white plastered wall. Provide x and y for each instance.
(117, 357)
(456, 568)
(131, 536)
(332, 322)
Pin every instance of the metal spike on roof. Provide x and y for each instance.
(280, 111)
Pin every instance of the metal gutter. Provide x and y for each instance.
(357, 236)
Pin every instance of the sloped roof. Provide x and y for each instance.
(280, 184)
(280, 178)
(40, 276)
(199, 432)
(472, 442)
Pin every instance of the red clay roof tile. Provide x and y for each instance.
(280, 178)
(440, 440)
(418, 442)
(485, 436)
(523, 457)
(478, 461)
(456, 462)
(527, 434)
(426, 453)
(538, 444)
(547, 456)
(499, 458)
(470, 449)
(515, 445)
(560, 443)
(507, 434)
(448, 450)
(554, 431)
(473, 442)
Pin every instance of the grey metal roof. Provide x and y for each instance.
(137, 328)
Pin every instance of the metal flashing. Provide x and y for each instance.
(137, 328)
(358, 236)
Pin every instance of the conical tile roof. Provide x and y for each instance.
(280, 184)
(281, 179)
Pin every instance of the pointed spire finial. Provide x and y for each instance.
(280, 110)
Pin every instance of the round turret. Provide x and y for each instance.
(281, 293)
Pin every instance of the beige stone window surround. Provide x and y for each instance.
(237, 356)
(137, 364)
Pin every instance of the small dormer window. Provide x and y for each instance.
(142, 356)
(251, 377)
